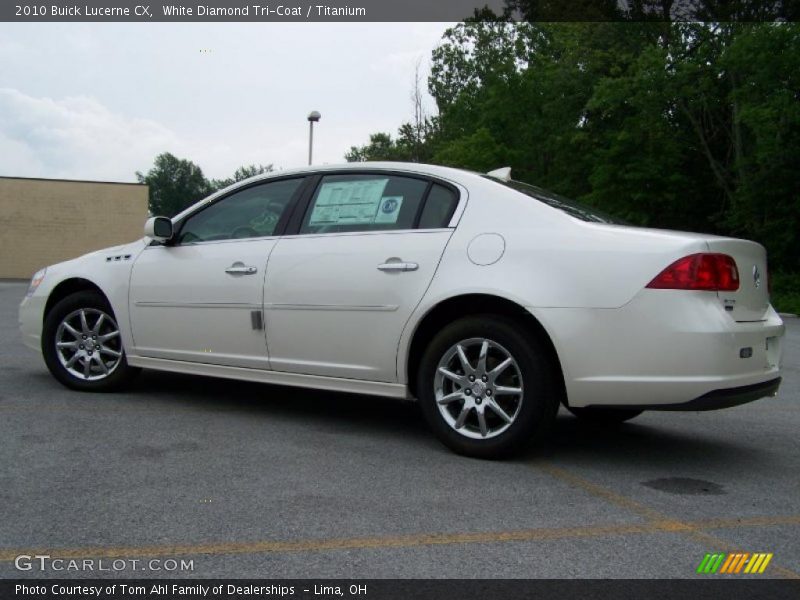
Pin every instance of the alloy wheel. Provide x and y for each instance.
(478, 388)
(88, 344)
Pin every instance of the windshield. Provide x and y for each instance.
(571, 207)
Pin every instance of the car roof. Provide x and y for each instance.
(450, 173)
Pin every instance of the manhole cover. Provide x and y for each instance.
(685, 485)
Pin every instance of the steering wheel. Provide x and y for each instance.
(244, 231)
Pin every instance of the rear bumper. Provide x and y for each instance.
(716, 399)
(665, 348)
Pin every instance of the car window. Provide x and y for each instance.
(344, 203)
(252, 212)
(439, 208)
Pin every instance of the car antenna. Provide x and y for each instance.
(503, 174)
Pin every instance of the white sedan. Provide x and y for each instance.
(489, 300)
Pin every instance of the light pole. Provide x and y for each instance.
(313, 117)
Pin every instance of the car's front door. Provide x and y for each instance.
(200, 298)
(339, 293)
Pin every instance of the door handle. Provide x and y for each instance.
(239, 268)
(398, 266)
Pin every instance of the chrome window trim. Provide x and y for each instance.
(389, 172)
(209, 242)
(362, 233)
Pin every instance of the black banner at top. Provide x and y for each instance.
(150, 11)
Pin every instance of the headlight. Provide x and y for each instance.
(36, 280)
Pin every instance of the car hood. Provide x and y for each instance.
(131, 250)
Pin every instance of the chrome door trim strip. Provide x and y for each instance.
(244, 306)
(344, 307)
(241, 305)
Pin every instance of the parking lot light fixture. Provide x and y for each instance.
(313, 117)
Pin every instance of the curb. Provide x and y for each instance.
(787, 315)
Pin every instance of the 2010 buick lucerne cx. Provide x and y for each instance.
(489, 300)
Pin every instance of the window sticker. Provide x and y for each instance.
(389, 209)
(348, 202)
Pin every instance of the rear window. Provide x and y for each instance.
(572, 207)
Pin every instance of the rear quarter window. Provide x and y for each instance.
(439, 208)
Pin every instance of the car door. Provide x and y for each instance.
(339, 292)
(199, 298)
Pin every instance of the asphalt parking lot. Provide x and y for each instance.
(249, 480)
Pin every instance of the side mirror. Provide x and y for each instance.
(158, 228)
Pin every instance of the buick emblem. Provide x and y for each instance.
(756, 276)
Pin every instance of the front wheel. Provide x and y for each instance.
(81, 344)
(486, 389)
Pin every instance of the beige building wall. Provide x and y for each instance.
(45, 221)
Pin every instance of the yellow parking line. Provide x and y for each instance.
(602, 492)
(524, 535)
(685, 528)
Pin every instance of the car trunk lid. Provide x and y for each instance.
(751, 301)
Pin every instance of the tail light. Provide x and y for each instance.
(709, 272)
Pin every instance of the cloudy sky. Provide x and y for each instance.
(99, 101)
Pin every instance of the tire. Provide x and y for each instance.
(604, 416)
(77, 318)
(457, 424)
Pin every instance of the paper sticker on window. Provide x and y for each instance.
(348, 202)
(389, 209)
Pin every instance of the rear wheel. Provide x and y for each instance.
(486, 390)
(607, 416)
(81, 344)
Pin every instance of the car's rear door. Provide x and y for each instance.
(339, 292)
(200, 298)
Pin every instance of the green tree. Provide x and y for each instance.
(174, 184)
(762, 64)
(381, 147)
(478, 151)
(529, 85)
(640, 160)
(177, 183)
(242, 173)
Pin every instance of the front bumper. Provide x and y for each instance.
(31, 316)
